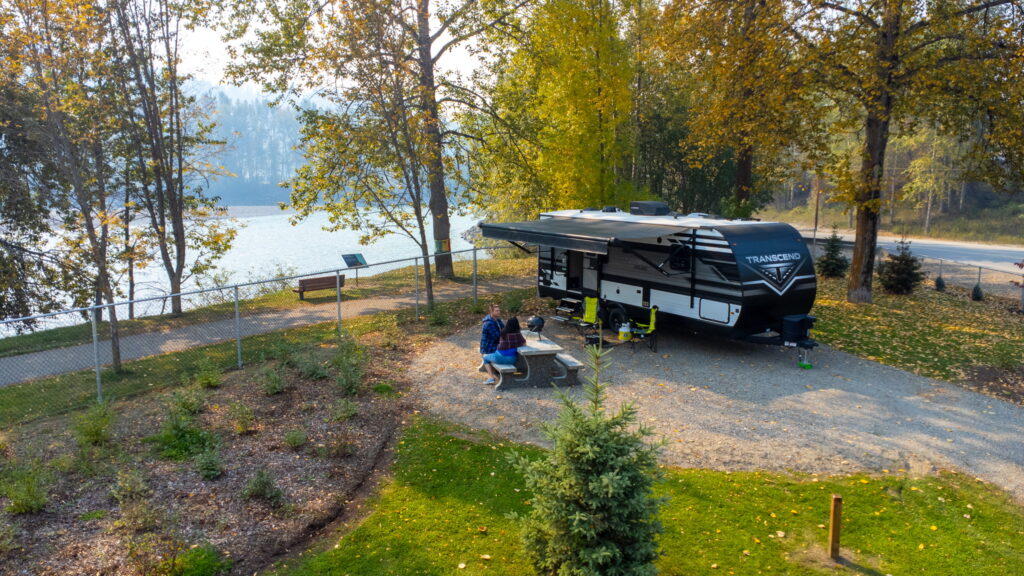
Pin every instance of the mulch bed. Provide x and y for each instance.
(82, 530)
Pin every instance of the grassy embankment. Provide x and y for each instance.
(990, 226)
(389, 283)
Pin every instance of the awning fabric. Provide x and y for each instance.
(579, 234)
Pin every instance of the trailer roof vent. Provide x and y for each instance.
(610, 209)
(648, 208)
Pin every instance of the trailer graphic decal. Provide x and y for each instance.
(778, 270)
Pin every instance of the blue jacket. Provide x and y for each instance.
(490, 335)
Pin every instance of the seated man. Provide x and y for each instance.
(489, 336)
(509, 341)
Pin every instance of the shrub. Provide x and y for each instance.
(209, 464)
(272, 382)
(27, 489)
(348, 365)
(593, 509)
(513, 301)
(940, 284)
(130, 487)
(343, 410)
(340, 447)
(242, 418)
(180, 439)
(187, 402)
(203, 560)
(901, 272)
(385, 389)
(833, 264)
(262, 487)
(295, 439)
(6, 449)
(92, 427)
(438, 316)
(312, 368)
(207, 374)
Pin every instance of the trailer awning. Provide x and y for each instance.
(574, 233)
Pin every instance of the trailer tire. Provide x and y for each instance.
(617, 316)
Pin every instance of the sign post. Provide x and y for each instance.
(355, 262)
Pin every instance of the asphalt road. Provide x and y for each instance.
(995, 256)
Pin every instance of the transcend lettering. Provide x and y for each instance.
(772, 258)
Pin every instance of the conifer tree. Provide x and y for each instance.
(901, 272)
(833, 264)
(593, 508)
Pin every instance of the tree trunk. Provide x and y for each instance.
(744, 179)
(862, 265)
(438, 202)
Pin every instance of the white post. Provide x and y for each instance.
(96, 355)
(474, 278)
(416, 271)
(238, 331)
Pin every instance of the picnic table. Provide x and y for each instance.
(540, 363)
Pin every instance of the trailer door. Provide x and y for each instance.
(591, 263)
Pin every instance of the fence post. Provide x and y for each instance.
(96, 356)
(835, 523)
(475, 304)
(238, 331)
(337, 285)
(416, 271)
(1022, 293)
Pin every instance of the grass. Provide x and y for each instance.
(383, 284)
(909, 331)
(452, 491)
(1000, 226)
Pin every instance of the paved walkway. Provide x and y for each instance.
(28, 367)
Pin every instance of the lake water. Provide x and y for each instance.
(267, 244)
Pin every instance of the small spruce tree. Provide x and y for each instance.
(593, 508)
(833, 264)
(901, 272)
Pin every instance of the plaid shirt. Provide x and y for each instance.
(490, 334)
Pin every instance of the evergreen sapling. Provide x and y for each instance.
(594, 512)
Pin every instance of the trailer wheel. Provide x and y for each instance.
(617, 316)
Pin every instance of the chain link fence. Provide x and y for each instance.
(61, 361)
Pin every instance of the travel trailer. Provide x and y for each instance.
(742, 279)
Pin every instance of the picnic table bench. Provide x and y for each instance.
(318, 283)
(539, 365)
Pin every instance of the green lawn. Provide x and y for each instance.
(936, 334)
(452, 490)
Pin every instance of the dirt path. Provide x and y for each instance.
(735, 406)
(27, 367)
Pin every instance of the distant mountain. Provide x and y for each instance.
(261, 145)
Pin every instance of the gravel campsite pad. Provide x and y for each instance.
(734, 406)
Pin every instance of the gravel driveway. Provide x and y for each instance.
(735, 406)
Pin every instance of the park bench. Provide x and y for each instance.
(318, 283)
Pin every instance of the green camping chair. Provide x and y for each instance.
(589, 323)
(645, 332)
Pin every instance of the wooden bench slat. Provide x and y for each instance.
(569, 361)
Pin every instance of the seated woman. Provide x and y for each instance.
(511, 338)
